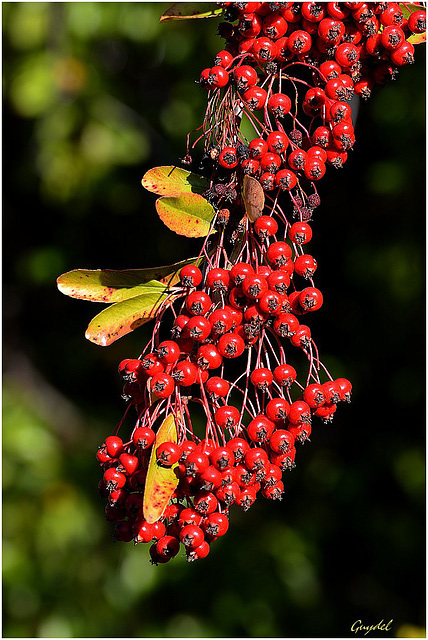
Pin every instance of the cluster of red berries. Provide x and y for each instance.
(301, 63)
(236, 339)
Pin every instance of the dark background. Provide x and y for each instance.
(94, 95)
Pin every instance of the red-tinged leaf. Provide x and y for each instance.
(161, 482)
(188, 215)
(418, 38)
(254, 198)
(173, 181)
(115, 286)
(187, 10)
(123, 317)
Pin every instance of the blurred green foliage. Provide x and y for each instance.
(94, 95)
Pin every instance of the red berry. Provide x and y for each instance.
(227, 417)
(190, 276)
(162, 385)
(231, 345)
(265, 226)
(300, 233)
(262, 378)
(114, 446)
(208, 357)
(277, 410)
(228, 158)
(311, 299)
(260, 429)
(191, 536)
(279, 104)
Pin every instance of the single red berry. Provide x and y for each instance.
(255, 98)
(168, 453)
(246, 498)
(314, 395)
(300, 233)
(279, 104)
(277, 142)
(279, 280)
(297, 159)
(190, 276)
(279, 253)
(162, 385)
(311, 299)
(205, 502)
(168, 546)
(217, 387)
(231, 345)
(152, 364)
(239, 448)
(274, 26)
(260, 429)
(258, 147)
(191, 536)
(223, 59)
(305, 265)
(277, 410)
(245, 77)
(417, 21)
(286, 179)
(228, 493)
(128, 463)
(168, 352)
(185, 373)
(249, 25)
(285, 325)
(346, 389)
(216, 524)
(299, 412)
(281, 441)
(254, 286)
(227, 417)
(240, 271)
(208, 357)
(264, 49)
(299, 41)
(302, 337)
(284, 375)
(271, 303)
(255, 459)
(228, 158)
(265, 226)
(114, 446)
(210, 478)
(196, 463)
(198, 303)
(218, 279)
(262, 378)
(285, 461)
(114, 479)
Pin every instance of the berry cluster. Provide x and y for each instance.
(231, 356)
(300, 63)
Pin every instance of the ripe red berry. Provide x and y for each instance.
(265, 226)
(262, 378)
(279, 104)
(245, 77)
(311, 299)
(114, 446)
(300, 233)
(168, 453)
(190, 276)
(208, 357)
(162, 385)
(217, 387)
(228, 158)
(231, 345)
(277, 410)
(255, 98)
(227, 417)
(260, 429)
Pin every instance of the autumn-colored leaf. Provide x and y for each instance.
(188, 10)
(188, 215)
(123, 317)
(160, 481)
(173, 181)
(254, 198)
(417, 38)
(98, 285)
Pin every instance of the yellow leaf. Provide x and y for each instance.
(161, 482)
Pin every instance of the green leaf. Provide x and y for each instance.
(173, 181)
(161, 482)
(100, 285)
(123, 317)
(188, 215)
(408, 8)
(417, 38)
(187, 10)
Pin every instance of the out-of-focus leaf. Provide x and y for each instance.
(123, 317)
(407, 8)
(187, 10)
(254, 198)
(418, 38)
(105, 285)
(160, 481)
(188, 215)
(173, 181)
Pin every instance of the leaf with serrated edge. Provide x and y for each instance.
(123, 317)
(254, 198)
(189, 215)
(172, 181)
(106, 285)
(188, 10)
(161, 482)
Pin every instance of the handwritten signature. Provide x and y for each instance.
(359, 627)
